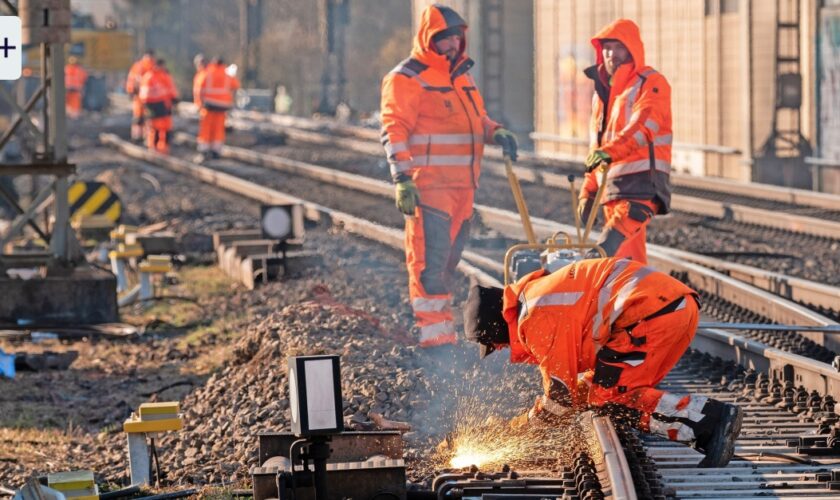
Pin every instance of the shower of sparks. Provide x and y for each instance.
(489, 442)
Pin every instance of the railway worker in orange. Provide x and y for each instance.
(434, 128)
(158, 94)
(132, 88)
(630, 131)
(200, 63)
(604, 333)
(216, 90)
(75, 78)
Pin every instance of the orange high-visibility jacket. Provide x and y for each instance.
(135, 74)
(631, 121)
(434, 125)
(560, 320)
(216, 88)
(157, 86)
(75, 77)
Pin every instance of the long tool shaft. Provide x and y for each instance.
(575, 203)
(833, 329)
(520, 201)
(596, 206)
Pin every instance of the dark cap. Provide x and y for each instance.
(453, 30)
(483, 319)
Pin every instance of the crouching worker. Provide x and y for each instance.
(604, 333)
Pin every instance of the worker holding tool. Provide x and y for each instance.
(604, 333)
(216, 90)
(630, 134)
(132, 88)
(434, 128)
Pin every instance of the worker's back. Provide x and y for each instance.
(217, 88)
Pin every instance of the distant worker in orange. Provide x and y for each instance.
(216, 90)
(75, 78)
(604, 333)
(132, 88)
(434, 128)
(630, 133)
(200, 64)
(158, 94)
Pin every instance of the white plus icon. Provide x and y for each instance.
(10, 50)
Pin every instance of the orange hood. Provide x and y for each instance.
(434, 19)
(626, 32)
(510, 310)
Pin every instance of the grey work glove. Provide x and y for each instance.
(407, 196)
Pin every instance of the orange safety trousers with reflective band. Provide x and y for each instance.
(598, 317)
(434, 240)
(625, 231)
(211, 130)
(73, 103)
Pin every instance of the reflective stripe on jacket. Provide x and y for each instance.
(560, 320)
(434, 125)
(157, 86)
(75, 77)
(631, 121)
(217, 88)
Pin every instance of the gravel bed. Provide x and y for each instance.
(355, 305)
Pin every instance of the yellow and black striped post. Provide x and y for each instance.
(93, 198)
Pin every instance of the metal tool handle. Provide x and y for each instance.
(520, 201)
(595, 206)
(575, 204)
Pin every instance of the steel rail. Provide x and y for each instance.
(778, 309)
(766, 464)
(387, 236)
(722, 185)
(618, 477)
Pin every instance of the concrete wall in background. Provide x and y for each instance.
(828, 50)
(718, 55)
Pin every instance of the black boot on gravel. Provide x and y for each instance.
(717, 432)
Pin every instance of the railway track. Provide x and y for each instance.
(823, 298)
(716, 231)
(801, 211)
(777, 364)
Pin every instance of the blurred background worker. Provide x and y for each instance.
(75, 78)
(200, 63)
(434, 128)
(605, 332)
(630, 130)
(216, 89)
(132, 87)
(158, 94)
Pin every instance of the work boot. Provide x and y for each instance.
(717, 431)
(215, 155)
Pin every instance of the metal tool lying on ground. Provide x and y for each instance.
(552, 255)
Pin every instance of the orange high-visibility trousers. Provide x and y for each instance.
(625, 231)
(211, 130)
(138, 118)
(434, 241)
(157, 138)
(632, 363)
(73, 103)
